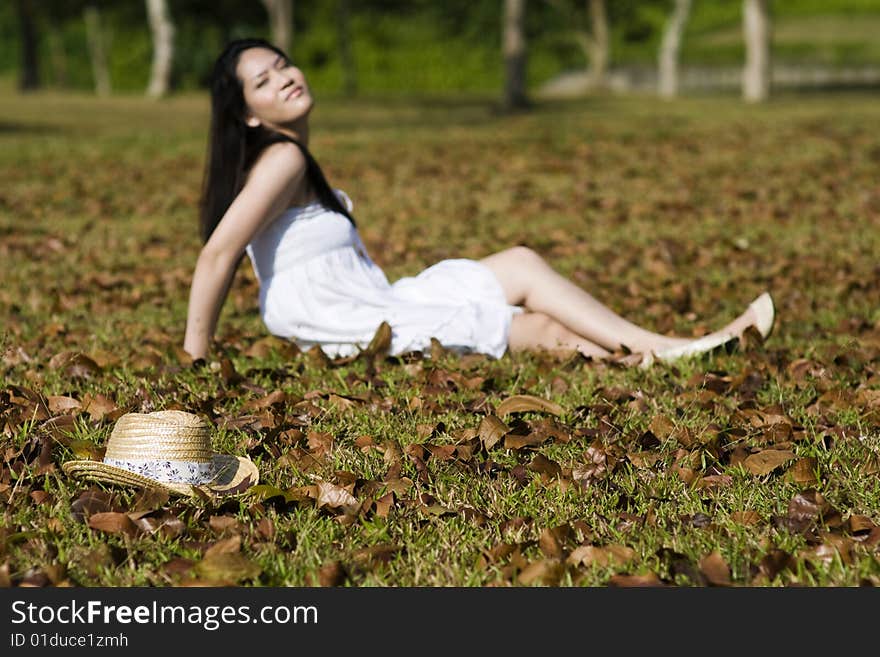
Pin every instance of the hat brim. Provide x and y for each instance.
(235, 475)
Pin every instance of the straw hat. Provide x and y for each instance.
(170, 450)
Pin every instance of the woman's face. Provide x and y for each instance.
(275, 91)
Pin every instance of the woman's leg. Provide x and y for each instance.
(537, 331)
(529, 281)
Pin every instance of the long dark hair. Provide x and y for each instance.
(233, 146)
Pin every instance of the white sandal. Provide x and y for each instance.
(765, 318)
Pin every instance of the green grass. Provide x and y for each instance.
(674, 214)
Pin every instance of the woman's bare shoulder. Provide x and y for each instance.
(281, 159)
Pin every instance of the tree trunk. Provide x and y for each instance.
(346, 56)
(280, 22)
(514, 53)
(29, 75)
(162, 31)
(97, 52)
(599, 43)
(756, 31)
(670, 46)
(57, 55)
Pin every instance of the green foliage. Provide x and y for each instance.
(427, 47)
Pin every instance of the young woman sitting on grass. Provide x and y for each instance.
(265, 195)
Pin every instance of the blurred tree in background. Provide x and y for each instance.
(383, 47)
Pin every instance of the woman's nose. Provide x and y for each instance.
(283, 78)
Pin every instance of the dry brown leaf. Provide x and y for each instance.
(544, 466)
(491, 430)
(332, 573)
(804, 471)
(222, 523)
(383, 505)
(746, 517)
(550, 544)
(711, 482)
(98, 406)
(661, 426)
(226, 568)
(113, 523)
(517, 441)
(336, 497)
(715, 569)
(645, 580)
(523, 403)
(766, 461)
(59, 404)
(545, 572)
(74, 364)
(381, 342)
(225, 546)
(588, 555)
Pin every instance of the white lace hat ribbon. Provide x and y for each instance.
(169, 472)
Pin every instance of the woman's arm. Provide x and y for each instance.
(274, 180)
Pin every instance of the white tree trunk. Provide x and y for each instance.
(162, 31)
(97, 51)
(599, 43)
(280, 22)
(514, 53)
(756, 32)
(670, 47)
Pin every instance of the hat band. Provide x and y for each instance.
(168, 472)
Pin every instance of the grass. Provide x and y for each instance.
(674, 214)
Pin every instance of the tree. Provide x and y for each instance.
(343, 31)
(598, 43)
(594, 41)
(29, 75)
(670, 46)
(97, 50)
(514, 54)
(280, 22)
(162, 31)
(756, 31)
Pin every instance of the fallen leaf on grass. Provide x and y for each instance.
(332, 573)
(374, 555)
(113, 523)
(491, 430)
(91, 502)
(804, 471)
(711, 482)
(715, 569)
(766, 461)
(225, 546)
(746, 517)
(588, 555)
(523, 403)
(545, 572)
(336, 497)
(226, 568)
(59, 404)
(74, 364)
(647, 579)
(809, 506)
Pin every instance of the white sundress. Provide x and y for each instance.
(318, 286)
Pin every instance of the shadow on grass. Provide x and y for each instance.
(7, 128)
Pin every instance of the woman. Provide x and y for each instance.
(264, 195)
